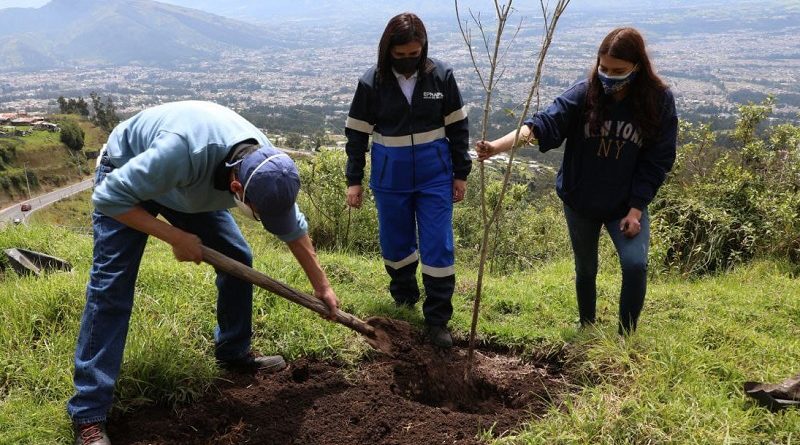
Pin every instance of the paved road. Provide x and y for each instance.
(8, 214)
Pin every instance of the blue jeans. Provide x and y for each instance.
(109, 299)
(584, 233)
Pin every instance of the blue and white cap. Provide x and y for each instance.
(271, 183)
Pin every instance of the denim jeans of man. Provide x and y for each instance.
(109, 299)
(584, 234)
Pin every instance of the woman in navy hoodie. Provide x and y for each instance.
(620, 128)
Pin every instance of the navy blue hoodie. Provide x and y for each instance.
(603, 176)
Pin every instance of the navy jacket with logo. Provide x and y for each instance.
(604, 175)
(415, 145)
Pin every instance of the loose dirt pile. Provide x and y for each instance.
(419, 396)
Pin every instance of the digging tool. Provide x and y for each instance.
(375, 337)
(775, 396)
(29, 262)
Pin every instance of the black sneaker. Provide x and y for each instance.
(252, 363)
(440, 336)
(91, 434)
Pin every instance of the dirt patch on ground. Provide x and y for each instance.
(419, 396)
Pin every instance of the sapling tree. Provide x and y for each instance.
(489, 74)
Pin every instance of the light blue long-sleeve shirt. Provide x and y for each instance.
(169, 154)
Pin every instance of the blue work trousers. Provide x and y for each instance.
(427, 215)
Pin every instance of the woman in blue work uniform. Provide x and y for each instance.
(620, 128)
(412, 107)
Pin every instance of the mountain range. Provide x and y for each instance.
(70, 33)
(110, 32)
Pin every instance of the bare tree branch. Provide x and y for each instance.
(513, 38)
(465, 34)
(550, 22)
(485, 39)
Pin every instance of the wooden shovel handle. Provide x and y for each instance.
(243, 272)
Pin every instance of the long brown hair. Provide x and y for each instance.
(401, 29)
(646, 90)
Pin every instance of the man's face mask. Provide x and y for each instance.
(406, 65)
(614, 84)
(245, 209)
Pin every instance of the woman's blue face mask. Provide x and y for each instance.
(615, 84)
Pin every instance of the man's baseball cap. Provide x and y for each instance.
(271, 183)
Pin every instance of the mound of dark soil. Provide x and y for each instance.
(419, 396)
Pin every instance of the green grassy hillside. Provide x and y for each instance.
(48, 163)
(723, 303)
(678, 380)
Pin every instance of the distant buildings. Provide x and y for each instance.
(10, 123)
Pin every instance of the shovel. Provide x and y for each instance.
(775, 396)
(375, 337)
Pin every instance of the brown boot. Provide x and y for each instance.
(91, 434)
(252, 363)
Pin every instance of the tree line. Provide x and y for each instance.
(102, 113)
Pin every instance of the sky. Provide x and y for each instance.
(22, 3)
(576, 3)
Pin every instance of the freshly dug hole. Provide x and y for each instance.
(468, 395)
(417, 396)
(438, 378)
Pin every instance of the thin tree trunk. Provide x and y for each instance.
(502, 14)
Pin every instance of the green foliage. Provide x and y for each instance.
(530, 228)
(332, 224)
(8, 152)
(71, 134)
(105, 112)
(318, 140)
(294, 141)
(677, 380)
(721, 208)
(298, 119)
(750, 116)
(73, 106)
(14, 180)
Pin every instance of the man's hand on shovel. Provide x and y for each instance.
(303, 250)
(328, 296)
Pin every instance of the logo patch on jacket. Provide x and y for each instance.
(433, 96)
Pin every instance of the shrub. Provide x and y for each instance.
(529, 229)
(733, 205)
(332, 224)
(8, 152)
(720, 206)
(71, 134)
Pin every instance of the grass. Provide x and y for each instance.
(41, 140)
(93, 136)
(678, 380)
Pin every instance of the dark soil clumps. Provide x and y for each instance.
(418, 396)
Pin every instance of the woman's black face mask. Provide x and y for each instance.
(406, 65)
